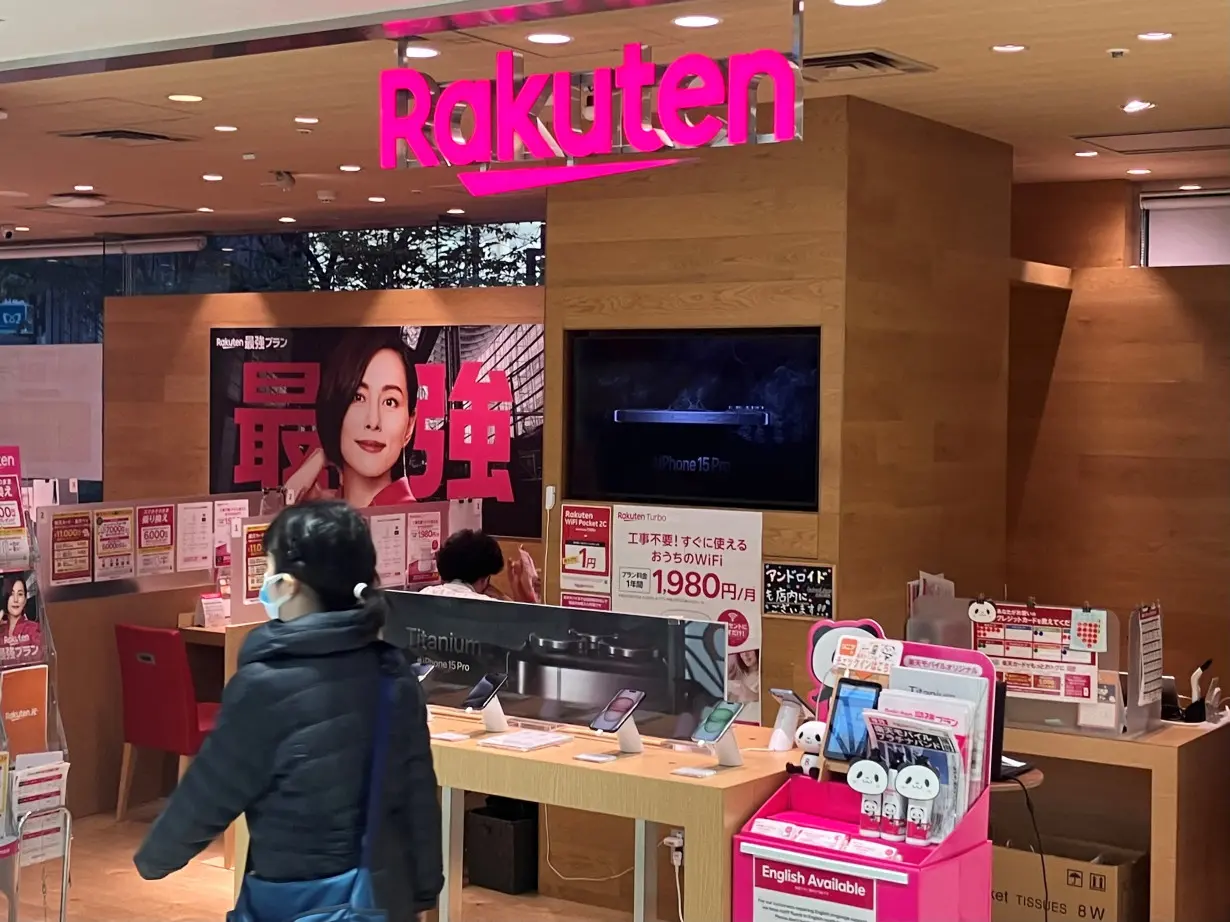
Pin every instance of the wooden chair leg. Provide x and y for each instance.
(128, 767)
(184, 762)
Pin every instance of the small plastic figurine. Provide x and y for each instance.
(920, 785)
(869, 777)
(810, 738)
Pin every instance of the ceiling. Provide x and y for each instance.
(1063, 87)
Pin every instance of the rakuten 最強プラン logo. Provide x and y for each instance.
(609, 111)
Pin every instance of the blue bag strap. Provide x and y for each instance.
(380, 758)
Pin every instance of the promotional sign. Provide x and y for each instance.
(23, 694)
(696, 563)
(585, 551)
(21, 633)
(424, 532)
(194, 536)
(610, 110)
(155, 540)
(798, 893)
(1033, 650)
(381, 416)
(114, 544)
(585, 600)
(798, 589)
(563, 665)
(228, 513)
(389, 538)
(14, 537)
(253, 560)
(72, 544)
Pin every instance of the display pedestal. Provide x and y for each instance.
(727, 750)
(784, 728)
(630, 738)
(494, 720)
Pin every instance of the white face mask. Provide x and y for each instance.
(272, 605)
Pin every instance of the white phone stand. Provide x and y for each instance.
(784, 728)
(494, 720)
(630, 737)
(727, 750)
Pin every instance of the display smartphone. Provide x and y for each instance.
(486, 689)
(422, 670)
(717, 721)
(786, 696)
(617, 710)
(846, 740)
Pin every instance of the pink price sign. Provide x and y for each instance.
(11, 513)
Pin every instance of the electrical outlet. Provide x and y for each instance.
(678, 834)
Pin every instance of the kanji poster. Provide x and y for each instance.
(798, 589)
(72, 544)
(155, 539)
(254, 560)
(585, 550)
(14, 539)
(115, 548)
(696, 563)
(382, 416)
(1034, 652)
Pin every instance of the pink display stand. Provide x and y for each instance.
(777, 878)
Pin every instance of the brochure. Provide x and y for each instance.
(903, 740)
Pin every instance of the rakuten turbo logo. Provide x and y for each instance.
(609, 111)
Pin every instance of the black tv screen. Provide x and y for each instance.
(727, 418)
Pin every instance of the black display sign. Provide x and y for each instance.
(798, 589)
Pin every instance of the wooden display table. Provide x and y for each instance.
(1187, 802)
(641, 787)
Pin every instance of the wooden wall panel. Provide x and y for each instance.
(925, 390)
(1077, 224)
(1120, 450)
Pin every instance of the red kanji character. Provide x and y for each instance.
(430, 411)
(719, 544)
(258, 442)
(281, 383)
(481, 434)
(668, 540)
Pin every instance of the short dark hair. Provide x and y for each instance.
(342, 373)
(469, 556)
(6, 590)
(326, 545)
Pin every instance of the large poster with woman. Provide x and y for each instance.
(21, 632)
(383, 415)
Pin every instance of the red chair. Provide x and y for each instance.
(160, 707)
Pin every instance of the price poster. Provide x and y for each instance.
(798, 589)
(194, 536)
(253, 560)
(389, 537)
(1033, 650)
(585, 549)
(14, 541)
(71, 548)
(114, 544)
(155, 540)
(423, 536)
(696, 563)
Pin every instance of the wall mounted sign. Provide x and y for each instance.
(635, 107)
(798, 589)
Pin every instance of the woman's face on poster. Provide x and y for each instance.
(749, 658)
(378, 424)
(15, 604)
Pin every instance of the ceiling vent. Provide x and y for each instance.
(129, 137)
(850, 65)
(1188, 141)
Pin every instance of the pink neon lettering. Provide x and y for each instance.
(678, 92)
(409, 127)
(456, 148)
(598, 140)
(515, 115)
(746, 71)
(635, 76)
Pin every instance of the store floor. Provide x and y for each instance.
(106, 888)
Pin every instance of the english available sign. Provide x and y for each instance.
(609, 111)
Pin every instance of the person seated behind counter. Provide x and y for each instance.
(468, 560)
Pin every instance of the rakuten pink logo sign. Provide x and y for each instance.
(612, 110)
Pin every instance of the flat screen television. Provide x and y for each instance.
(724, 418)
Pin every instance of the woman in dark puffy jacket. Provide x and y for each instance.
(294, 737)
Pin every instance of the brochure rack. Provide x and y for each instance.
(800, 856)
(1122, 700)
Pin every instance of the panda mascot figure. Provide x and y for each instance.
(810, 738)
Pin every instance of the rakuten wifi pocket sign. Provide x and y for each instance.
(635, 107)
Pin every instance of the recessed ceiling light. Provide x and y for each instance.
(306, 120)
(1186, 188)
(212, 177)
(21, 229)
(227, 128)
(419, 51)
(549, 38)
(228, 249)
(350, 168)
(1140, 172)
(204, 210)
(696, 22)
(376, 199)
(1009, 49)
(1155, 36)
(1086, 153)
(1137, 105)
(456, 211)
(83, 188)
(185, 97)
(858, 2)
(287, 220)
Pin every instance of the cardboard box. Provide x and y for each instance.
(1084, 880)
